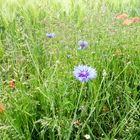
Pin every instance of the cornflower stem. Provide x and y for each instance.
(74, 116)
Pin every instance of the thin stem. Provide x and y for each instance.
(74, 117)
(92, 110)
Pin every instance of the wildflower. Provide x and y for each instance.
(50, 35)
(1, 108)
(82, 44)
(123, 16)
(127, 22)
(87, 137)
(84, 73)
(104, 73)
(77, 123)
(135, 19)
(12, 84)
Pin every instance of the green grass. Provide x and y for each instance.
(44, 103)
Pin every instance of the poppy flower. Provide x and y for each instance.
(135, 19)
(12, 84)
(127, 22)
(1, 108)
(122, 16)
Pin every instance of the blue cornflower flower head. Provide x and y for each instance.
(84, 73)
(50, 35)
(82, 44)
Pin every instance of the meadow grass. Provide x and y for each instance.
(47, 101)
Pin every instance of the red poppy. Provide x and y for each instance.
(123, 16)
(135, 19)
(127, 22)
(12, 84)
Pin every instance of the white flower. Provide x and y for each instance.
(104, 73)
(87, 137)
